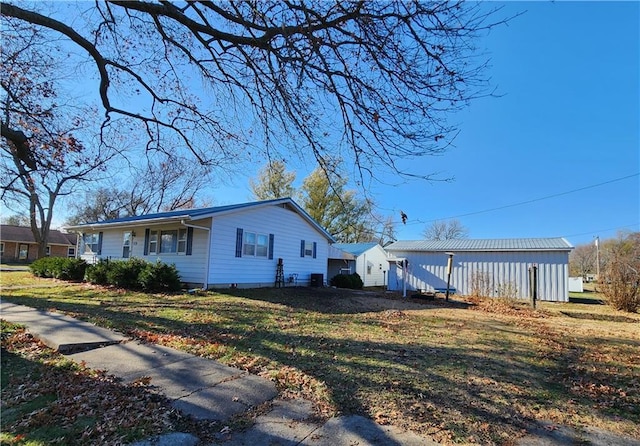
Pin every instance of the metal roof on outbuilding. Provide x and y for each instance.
(355, 248)
(493, 245)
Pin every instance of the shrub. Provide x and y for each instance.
(72, 269)
(621, 276)
(124, 274)
(43, 267)
(159, 277)
(97, 273)
(352, 281)
(59, 268)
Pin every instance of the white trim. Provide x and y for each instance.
(205, 284)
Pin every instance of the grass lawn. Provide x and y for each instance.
(477, 373)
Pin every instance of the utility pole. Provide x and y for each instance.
(597, 243)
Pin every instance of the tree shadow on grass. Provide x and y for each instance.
(486, 388)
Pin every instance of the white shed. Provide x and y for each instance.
(371, 262)
(497, 267)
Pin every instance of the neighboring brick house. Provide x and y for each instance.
(17, 244)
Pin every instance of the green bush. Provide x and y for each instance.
(124, 274)
(159, 277)
(135, 274)
(72, 269)
(352, 281)
(97, 273)
(59, 268)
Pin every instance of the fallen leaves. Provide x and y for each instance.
(72, 404)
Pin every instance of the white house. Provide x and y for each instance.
(371, 262)
(492, 267)
(236, 245)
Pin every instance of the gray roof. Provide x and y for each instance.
(355, 248)
(201, 213)
(509, 244)
(11, 233)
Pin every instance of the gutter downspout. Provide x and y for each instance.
(205, 283)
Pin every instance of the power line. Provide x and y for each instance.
(417, 221)
(596, 231)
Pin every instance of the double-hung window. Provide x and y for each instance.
(126, 244)
(256, 245)
(168, 241)
(91, 243)
(182, 241)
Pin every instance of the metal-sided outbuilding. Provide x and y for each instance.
(496, 267)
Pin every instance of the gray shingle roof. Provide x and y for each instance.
(513, 244)
(11, 233)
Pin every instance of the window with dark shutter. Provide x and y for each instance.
(146, 241)
(189, 241)
(301, 248)
(271, 237)
(239, 242)
(315, 248)
(100, 243)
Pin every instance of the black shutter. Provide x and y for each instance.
(100, 243)
(146, 241)
(239, 242)
(315, 246)
(301, 248)
(271, 237)
(189, 241)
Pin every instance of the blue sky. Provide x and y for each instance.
(568, 118)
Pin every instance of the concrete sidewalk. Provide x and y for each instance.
(202, 388)
(208, 390)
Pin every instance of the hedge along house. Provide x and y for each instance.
(486, 267)
(217, 247)
(371, 262)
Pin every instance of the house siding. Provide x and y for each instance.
(376, 258)
(288, 228)
(506, 272)
(191, 267)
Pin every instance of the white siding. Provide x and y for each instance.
(376, 258)
(288, 228)
(505, 271)
(191, 267)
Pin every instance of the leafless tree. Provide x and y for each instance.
(445, 230)
(368, 81)
(38, 170)
(582, 260)
(165, 185)
(621, 273)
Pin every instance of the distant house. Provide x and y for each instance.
(17, 244)
(491, 267)
(219, 247)
(371, 262)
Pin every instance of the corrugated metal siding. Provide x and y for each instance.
(507, 272)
